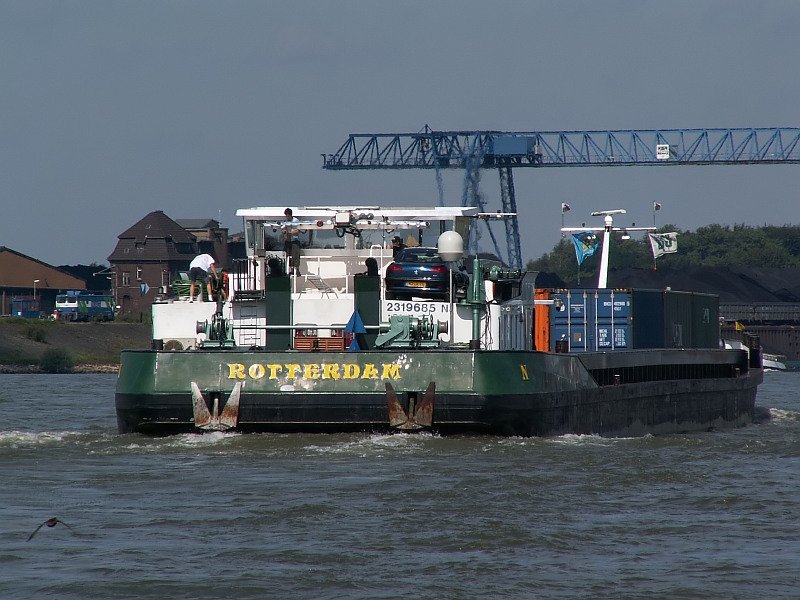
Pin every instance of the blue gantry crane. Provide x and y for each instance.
(506, 150)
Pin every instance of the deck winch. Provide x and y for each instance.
(218, 332)
(405, 331)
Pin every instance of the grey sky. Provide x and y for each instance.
(109, 109)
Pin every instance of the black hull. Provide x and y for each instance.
(659, 407)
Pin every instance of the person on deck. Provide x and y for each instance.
(220, 285)
(290, 231)
(397, 245)
(198, 270)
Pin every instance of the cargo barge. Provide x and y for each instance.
(324, 350)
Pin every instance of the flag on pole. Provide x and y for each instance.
(586, 244)
(663, 243)
(656, 206)
(564, 207)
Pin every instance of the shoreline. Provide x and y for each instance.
(76, 370)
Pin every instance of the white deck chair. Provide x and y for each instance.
(319, 283)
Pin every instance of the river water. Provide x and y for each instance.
(710, 515)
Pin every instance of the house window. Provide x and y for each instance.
(126, 278)
(138, 273)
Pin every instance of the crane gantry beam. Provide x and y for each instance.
(431, 149)
(504, 150)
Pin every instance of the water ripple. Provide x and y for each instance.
(364, 516)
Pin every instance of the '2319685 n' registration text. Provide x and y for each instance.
(412, 307)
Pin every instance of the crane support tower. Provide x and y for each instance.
(506, 150)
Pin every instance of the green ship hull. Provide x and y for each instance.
(522, 393)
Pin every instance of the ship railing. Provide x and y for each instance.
(381, 254)
(245, 280)
(333, 274)
(305, 336)
(323, 273)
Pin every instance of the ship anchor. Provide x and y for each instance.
(419, 415)
(214, 420)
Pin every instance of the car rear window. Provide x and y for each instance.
(418, 255)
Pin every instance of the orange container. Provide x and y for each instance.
(541, 321)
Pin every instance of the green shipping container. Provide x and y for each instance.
(705, 321)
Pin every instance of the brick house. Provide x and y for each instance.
(22, 276)
(150, 255)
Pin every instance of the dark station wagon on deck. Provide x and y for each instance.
(421, 273)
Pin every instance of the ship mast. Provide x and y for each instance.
(608, 219)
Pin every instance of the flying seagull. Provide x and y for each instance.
(52, 522)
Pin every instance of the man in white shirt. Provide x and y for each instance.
(198, 269)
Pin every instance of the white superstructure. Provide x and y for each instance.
(336, 242)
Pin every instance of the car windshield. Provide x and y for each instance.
(418, 255)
